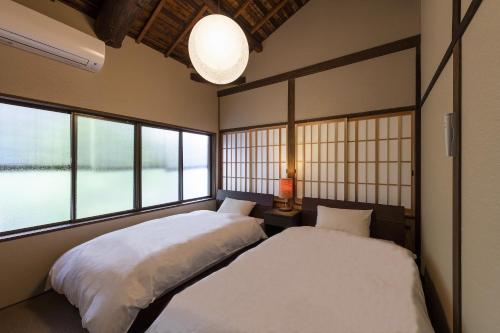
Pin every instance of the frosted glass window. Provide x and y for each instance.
(160, 166)
(105, 167)
(196, 170)
(35, 176)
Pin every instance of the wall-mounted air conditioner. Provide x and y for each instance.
(29, 30)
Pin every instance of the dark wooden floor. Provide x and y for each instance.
(49, 312)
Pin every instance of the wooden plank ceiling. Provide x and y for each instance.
(164, 25)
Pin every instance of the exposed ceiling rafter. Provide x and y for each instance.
(268, 16)
(187, 29)
(150, 21)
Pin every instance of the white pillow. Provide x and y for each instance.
(353, 221)
(234, 206)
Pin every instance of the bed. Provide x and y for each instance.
(309, 279)
(128, 273)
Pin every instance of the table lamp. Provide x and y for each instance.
(286, 192)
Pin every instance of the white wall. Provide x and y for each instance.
(135, 81)
(326, 29)
(374, 84)
(264, 105)
(437, 175)
(481, 171)
(322, 30)
(437, 169)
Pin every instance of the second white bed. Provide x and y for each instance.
(306, 280)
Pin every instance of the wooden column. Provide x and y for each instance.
(291, 130)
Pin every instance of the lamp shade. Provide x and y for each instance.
(286, 188)
(218, 49)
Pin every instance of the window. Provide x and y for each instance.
(35, 159)
(160, 166)
(254, 160)
(105, 167)
(374, 166)
(380, 160)
(120, 165)
(320, 157)
(196, 177)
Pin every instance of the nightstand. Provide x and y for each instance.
(276, 220)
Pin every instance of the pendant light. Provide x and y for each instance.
(218, 49)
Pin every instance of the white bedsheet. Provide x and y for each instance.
(112, 277)
(306, 280)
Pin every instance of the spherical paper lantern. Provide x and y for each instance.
(218, 49)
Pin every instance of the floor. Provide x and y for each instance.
(49, 312)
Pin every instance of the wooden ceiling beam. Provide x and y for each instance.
(188, 28)
(150, 21)
(269, 15)
(252, 41)
(115, 19)
(242, 8)
(198, 78)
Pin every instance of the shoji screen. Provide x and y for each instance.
(320, 156)
(380, 160)
(367, 159)
(254, 160)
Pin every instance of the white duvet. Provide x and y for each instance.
(112, 277)
(306, 280)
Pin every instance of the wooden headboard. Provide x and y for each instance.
(264, 201)
(388, 222)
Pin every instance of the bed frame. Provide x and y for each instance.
(148, 315)
(388, 222)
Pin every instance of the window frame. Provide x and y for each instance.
(138, 123)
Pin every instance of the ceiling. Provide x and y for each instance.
(164, 25)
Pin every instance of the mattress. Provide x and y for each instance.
(306, 279)
(112, 277)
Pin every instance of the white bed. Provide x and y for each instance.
(306, 280)
(112, 277)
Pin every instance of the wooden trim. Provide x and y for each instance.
(188, 28)
(242, 8)
(457, 35)
(73, 166)
(247, 128)
(457, 172)
(180, 165)
(37, 104)
(137, 167)
(291, 132)
(268, 16)
(150, 21)
(28, 232)
(389, 111)
(375, 52)
(220, 135)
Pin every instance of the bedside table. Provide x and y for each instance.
(276, 220)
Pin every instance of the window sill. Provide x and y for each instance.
(68, 225)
